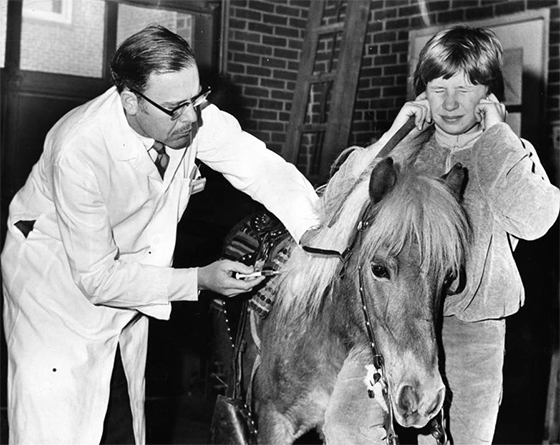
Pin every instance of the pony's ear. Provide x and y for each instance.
(456, 179)
(383, 179)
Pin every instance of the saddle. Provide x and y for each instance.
(261, 241)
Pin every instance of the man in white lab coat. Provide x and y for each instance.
(91, 235)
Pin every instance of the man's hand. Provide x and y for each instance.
(218, 277)
(490, 111)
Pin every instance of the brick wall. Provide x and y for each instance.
(265, 40)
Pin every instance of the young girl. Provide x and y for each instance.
(508, 197)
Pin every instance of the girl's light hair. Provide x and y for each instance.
(475, 51)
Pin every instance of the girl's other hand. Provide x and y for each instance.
(490, 111)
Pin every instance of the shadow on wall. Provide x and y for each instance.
(227, 96)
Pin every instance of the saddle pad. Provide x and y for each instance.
(263, 300)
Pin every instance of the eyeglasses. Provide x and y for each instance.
(174, 113)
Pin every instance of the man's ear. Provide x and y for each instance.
(129, 102)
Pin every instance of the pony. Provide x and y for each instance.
(391, 244)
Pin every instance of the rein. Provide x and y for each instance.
(344, 256)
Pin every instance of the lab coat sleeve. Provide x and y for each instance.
(517, 187)
(251, 167)
(104, 274)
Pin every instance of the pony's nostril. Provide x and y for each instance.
(438, 403)
(408, 401)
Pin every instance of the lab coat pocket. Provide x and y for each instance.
(25, 226)
(197, 185)
(191, 184)
(198, 182)
(186, 188)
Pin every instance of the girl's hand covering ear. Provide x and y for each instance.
(419, 108)
(490, 111)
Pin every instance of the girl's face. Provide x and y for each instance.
(453, 102)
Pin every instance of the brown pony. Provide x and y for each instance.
(390, 244)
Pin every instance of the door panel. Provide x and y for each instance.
(34, 105)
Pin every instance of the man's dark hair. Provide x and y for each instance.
(155, 49)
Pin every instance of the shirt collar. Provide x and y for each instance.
(148, 143)
(453, 141)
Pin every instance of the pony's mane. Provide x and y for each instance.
(419, 208)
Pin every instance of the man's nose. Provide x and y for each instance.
(189, 114)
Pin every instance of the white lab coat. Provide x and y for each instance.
(98, 259)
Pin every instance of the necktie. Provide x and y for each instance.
(162, 159)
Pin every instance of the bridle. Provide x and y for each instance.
(344, 256)
(437, 424)
(377, 358)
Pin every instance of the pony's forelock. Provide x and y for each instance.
(422, 209)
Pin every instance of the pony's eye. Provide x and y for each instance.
(451, 285)
(380, 271)
(451, 276)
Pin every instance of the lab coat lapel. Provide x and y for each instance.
(128, 146)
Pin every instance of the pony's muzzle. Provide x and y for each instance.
(412, 411)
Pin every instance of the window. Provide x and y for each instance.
(134, 18)
(67, 36)
(59, 11)
(59, 38)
